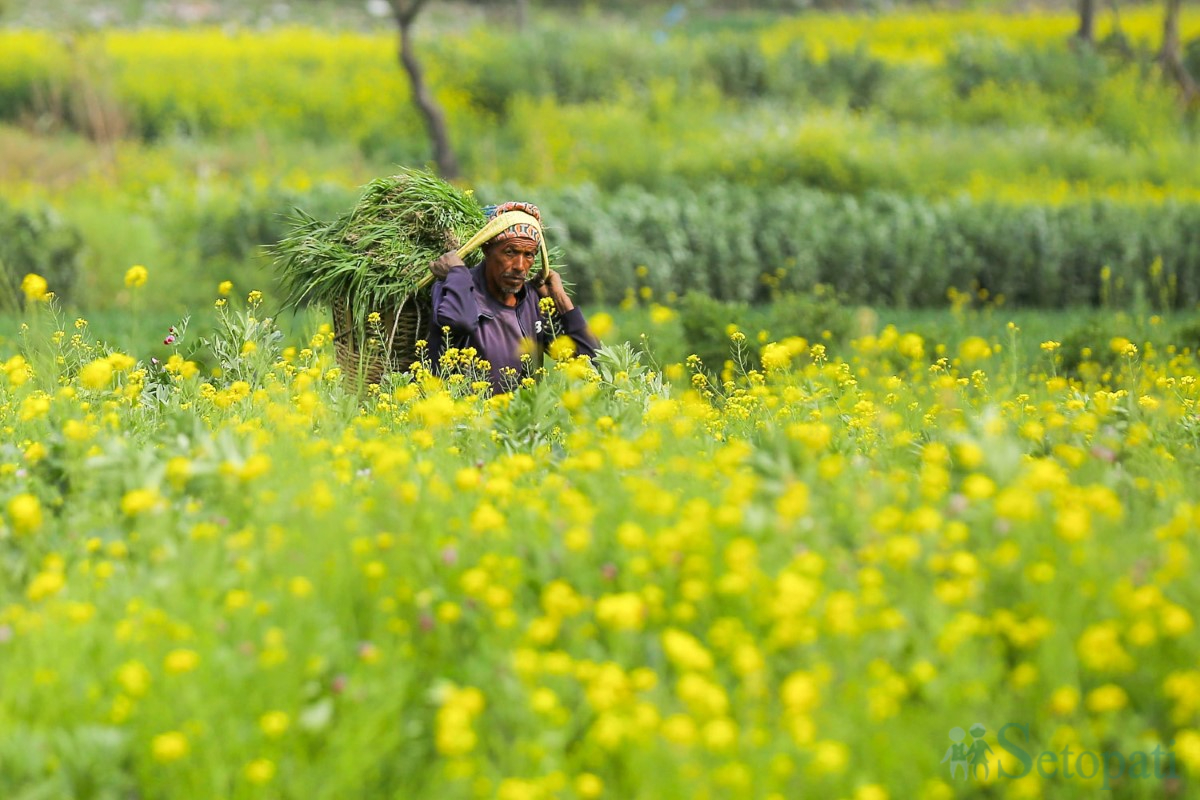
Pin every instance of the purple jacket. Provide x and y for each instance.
(458, 305)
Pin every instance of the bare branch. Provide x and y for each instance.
(1171, 56)
(1087, 22)
(405, 11)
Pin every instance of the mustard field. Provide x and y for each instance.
(624, 580)
(818, 522)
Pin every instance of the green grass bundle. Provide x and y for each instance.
(376, 257)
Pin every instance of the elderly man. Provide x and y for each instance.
(491, 307)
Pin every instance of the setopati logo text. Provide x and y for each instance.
(976, 759)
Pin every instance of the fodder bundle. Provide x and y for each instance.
(375, 259)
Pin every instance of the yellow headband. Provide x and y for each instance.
(502, 223)
(498, 225)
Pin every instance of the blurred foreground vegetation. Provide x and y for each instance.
(220, 570)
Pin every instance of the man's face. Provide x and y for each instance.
(506, 265)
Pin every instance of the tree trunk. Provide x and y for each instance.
(1171, 56)
(1087, 22)
(522, 15)
(1118, 37)
(406, 12)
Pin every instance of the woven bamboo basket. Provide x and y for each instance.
(366, 362)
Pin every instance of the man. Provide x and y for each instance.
(491, 307)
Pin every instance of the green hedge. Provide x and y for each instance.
(737, 243)
(728, 241)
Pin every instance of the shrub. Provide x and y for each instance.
(810, 315)
(1072, 72)
(1187, 337)
(852, 78)
(38, 241)
(705, 322)
(738, 66)
(1191, 56)
(1098, 342)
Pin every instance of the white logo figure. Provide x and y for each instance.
(957, 754)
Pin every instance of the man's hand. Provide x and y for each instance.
(552, 287)
(550, 284)
(441, 266)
